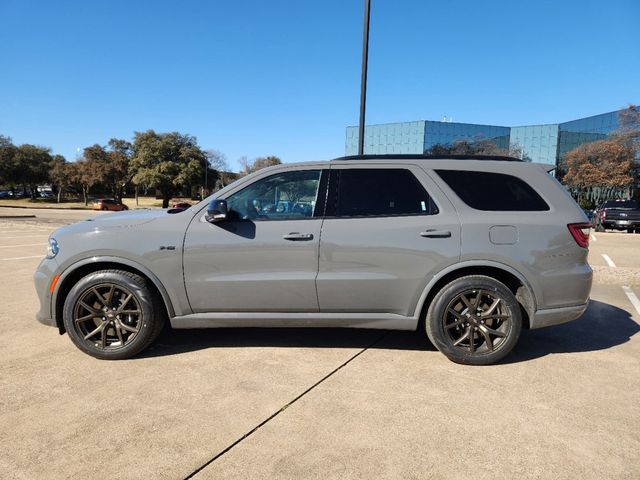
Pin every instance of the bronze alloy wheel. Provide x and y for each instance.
(477, 321)
(108, 316)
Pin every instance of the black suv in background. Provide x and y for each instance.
(617, 215)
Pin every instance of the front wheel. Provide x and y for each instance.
(474, 320)
(112, 315)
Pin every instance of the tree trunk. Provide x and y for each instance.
(166, 196)
(59, 193)
(84, 195)
(136, 195)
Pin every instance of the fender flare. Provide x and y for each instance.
(475, 263)
(117, 260)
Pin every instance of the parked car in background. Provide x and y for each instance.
(109, 204)
(6, 194)
(617, 215)
(181, 205)
(467, 250)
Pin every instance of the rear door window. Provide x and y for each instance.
(493, 191)
(376, 192)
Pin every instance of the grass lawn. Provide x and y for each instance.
(143, 202)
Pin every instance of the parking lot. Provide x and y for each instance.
(315, 403)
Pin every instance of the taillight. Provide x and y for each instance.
(603, 215)
(580, 233)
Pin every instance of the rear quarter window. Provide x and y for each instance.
(493, 191)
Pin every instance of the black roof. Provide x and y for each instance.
(415, 156)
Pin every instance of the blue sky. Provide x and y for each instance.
(282, 77)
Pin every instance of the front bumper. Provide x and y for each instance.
(42, 280)
(555, 316)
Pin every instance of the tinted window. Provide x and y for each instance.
(381, 192)
(284, 196)
(493, 191)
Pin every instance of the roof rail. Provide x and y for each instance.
(417, 156)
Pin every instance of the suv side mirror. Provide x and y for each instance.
(216, 211)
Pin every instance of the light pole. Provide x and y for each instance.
(363, 78)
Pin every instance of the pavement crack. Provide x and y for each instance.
(283, 408)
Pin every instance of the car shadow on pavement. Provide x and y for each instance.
(602, 326)
(180, 341)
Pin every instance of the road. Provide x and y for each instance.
(296, 403)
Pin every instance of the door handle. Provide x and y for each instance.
(295, 236)
(436, 234)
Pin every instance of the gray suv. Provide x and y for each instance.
(469, 250)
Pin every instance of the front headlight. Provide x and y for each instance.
(52, 248)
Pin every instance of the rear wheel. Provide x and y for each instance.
(629, 230)
(474, 320)
(112, 315)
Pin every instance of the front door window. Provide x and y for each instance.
(283, 196)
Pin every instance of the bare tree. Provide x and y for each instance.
(258, 163)
(220, 167)
(600, 170)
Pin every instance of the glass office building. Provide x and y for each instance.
(539, 143)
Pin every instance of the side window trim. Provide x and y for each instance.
(322, 194)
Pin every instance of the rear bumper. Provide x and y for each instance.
(621, 224)
(555, 316)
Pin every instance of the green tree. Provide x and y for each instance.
(85, 174)
(166, 161)
(7, 163)
(61, 175)
(111, 164)
(32, 162)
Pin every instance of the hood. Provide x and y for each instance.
(109, 221)
(127, 218)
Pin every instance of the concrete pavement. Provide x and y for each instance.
(320, 403)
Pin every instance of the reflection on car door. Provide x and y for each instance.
(261, 260)
(390, 231)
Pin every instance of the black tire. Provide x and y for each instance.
(447, 323)
(119, 335)
(629, 230)
(125, 207)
